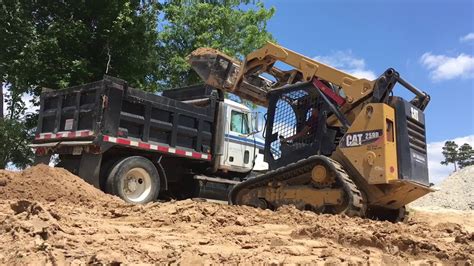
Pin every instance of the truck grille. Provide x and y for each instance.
(416, 136)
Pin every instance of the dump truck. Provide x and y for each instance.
(334, 143)
(140, 145)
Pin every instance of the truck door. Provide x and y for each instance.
(240, 148)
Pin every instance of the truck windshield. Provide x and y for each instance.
(238, 122)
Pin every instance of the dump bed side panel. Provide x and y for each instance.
(157, 119)
(108, 113)
(76, 109)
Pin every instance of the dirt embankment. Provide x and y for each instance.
(51, 185)
(49, 215)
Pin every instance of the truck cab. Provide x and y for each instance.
(243, 149)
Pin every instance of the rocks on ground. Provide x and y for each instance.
(50, 216)
(455, 192)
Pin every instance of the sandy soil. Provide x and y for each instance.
(50, 216)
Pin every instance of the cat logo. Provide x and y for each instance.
(360, 138)
(354, 140)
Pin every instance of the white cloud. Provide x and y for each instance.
(444, 67)
(347, 62)
(467, 38)
(437, 171)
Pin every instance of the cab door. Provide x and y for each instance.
(239, 150)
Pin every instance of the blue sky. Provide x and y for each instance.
(428, 42)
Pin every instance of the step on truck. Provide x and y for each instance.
(186, 142)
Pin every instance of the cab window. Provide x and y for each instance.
(238, 122)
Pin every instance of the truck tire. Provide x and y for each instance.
(134, 179)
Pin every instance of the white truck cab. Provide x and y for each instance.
(243, 149)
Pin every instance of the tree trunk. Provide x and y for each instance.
(1, 101)
(455, 167)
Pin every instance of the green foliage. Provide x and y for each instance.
(62, 43)
(465, 155)
(450, 153)
(462, 156)
(16, 132)
(14, 139)
(233, 27)
(57, 44)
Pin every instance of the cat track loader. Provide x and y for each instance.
(365, 154)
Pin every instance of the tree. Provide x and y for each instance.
(56, 44)
(234, 27)
(1, 101)
(465, 155)
(14, 139)
(450, 153)
(16, 132)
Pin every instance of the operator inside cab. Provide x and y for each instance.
(309, 129)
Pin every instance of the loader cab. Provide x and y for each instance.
(243, 148)
(290, 110)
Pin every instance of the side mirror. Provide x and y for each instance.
(257, 126)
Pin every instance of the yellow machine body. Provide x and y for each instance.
(373, 165)
(370, 144)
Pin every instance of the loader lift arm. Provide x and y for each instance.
(246, 79)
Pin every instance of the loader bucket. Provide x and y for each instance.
(221, 71)
(215, 68)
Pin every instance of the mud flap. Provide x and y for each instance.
(42, 159)
(89, 168)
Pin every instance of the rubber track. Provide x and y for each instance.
(356, 204)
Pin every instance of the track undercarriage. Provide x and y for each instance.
(317, 183)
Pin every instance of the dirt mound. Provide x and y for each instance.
(191, 232)
(455, 192)
(46, 184)
(47, 221)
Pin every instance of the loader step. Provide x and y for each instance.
(216, 179)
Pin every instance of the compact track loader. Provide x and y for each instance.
(365, 154)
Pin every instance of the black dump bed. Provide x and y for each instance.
(110, 109)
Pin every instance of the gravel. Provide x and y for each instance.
(455, 192)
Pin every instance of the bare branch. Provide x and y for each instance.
(109, 58)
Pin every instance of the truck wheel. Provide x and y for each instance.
(134, 179)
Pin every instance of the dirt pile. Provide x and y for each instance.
(46, 184)
(192, 232)
(34, 228)
(456, 192)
